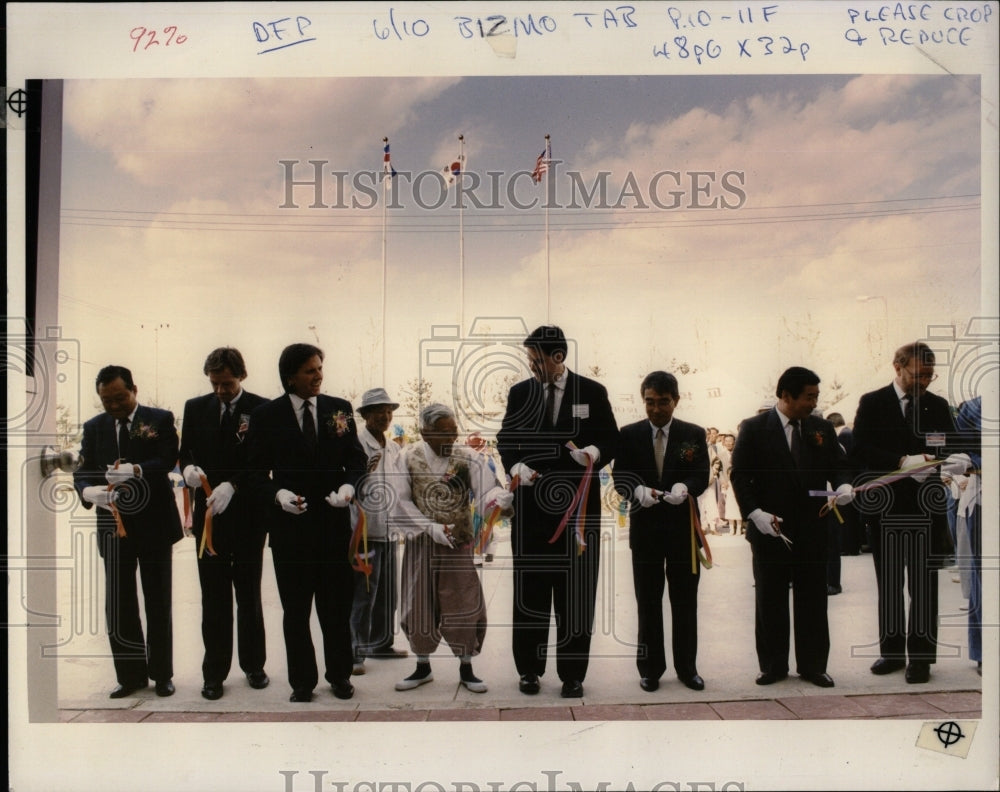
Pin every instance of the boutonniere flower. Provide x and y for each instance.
(243, 427)
(686, 452)
(815, 439)
(143, 431)
(339, 423)
(457, 474)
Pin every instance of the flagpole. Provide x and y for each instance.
(548, 298)
(461, 237)
(387, 177)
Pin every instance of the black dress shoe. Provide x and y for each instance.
(649, 684)
(121, 691)
(819, 679)
(258, 680)
(770, 677)
(301, 696)
(918, 672)
(529, 684)
(342, 688)
(694, 682)
(212, 690)
(572, 689)
(165, 688)
(886, 665)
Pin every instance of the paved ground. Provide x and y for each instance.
(726, 660)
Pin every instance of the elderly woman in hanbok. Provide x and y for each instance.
(441, 593)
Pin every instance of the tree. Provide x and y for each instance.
(68, 433)
(416, 395)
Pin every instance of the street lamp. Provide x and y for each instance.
(156, 359)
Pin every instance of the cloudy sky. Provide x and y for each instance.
(750, 223)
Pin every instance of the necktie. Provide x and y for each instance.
(908, 410)
(123, 439)
(308, 426)
(796, 446)
(659, 448)
(550, 404)
(226, 419)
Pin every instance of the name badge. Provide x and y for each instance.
(936, 440)
(581, 410)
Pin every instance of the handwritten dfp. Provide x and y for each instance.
(282, 33)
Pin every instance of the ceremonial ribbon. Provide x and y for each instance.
(579, 499)
(487, 530)
(700, 551)
(206, 531)
(881, 481)
(359, 536)
(119, 525)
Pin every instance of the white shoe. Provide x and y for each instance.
(477, 686)
(414, 682)
(358, 669)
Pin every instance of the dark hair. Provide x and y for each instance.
(226, 358)
(794, 381)
(836, 419)
(109, 374)
(547, 339)
(661, 382)
(292, 358)
(918, 349)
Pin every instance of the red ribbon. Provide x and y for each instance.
(579, 499)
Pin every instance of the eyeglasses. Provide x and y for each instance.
(921, 377)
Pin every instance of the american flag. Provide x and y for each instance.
(542, 163)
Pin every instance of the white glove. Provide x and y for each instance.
(583, 456)
(646, 496)
(220, 497)
(764, 522)
(122, 473)
(526, 476)
(99, 496)
(845, 494)
(677, 495)
(290, 502)
(956, 465)
(913, 461)
(192, 475)
(442, 534)
(504, 499)
(341, 497)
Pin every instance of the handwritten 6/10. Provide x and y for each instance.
(137, 34)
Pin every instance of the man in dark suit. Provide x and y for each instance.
(213, 445)
(660, 464)
(903, 426)
(308, 443)
(780, 456)
(557, 432)
(127, 452)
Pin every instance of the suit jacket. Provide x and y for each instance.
(882, 437)
(585, 418)
(685, 460)
(764, 476)
(147, 505)
(279, 459)
(222, 459)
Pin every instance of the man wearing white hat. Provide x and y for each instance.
(373, 613)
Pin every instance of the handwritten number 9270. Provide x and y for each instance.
(137, 34)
